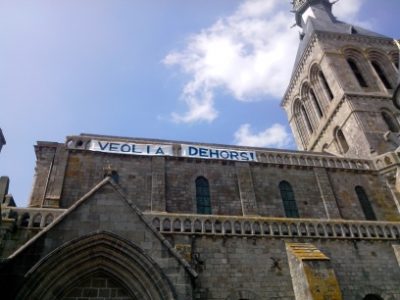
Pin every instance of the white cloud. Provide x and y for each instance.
(274, 136)
(249, 54)
(348, 11)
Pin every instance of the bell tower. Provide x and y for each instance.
(339, 99)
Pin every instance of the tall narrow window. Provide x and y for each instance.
(316, 103)
(325, 85)
(391, 123)
(365, 204)
(203, 196)
(289, 202)
(305, 116)
(341, 140)
(357, 73)
(379, 71)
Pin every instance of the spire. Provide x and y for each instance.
(321, 9)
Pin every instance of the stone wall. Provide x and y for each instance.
(236, 188)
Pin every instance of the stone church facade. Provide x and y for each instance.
(124, 218)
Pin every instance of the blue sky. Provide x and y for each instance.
(196, 70)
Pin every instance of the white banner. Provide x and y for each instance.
(214, 153)
(130, 148)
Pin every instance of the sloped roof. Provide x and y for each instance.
(107, 181)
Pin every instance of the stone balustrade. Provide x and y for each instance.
(31, 217)
(313, 160)
(272, 227)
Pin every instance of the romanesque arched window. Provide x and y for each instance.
(203, 196)
(300, 122)
(316, 103)
(341, 141)
(381, 74)
(306, 118)
(365, 204)
(390, 121)
(325, 85)
(357, 73)
(289, 201)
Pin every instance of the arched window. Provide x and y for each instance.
(325, 85)
(203, 196)
(307, 119)
(357, 73)
(36, 220)
(372, 297)
(365, 204)
(300, 122)
(379, 71)
(341, 141)
(289, 201)
(390, 121)
(316, 103)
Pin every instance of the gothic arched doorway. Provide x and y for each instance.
(97, 259)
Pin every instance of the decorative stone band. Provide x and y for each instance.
(168, 223)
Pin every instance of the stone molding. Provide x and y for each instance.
(266, 227)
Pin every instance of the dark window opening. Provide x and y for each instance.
(341, 140)
(304, 112)
(365, 204)
(289, 201)
(391, 123)
(381, 75)
(203, 196)
(316, 103)
(356, 71)
(325, 85)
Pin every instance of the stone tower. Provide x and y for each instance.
(339, 97)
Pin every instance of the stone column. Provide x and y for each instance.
(56, 177)
(327, 195)
(246, 189)
(158, 202)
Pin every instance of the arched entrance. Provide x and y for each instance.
(99, 259)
